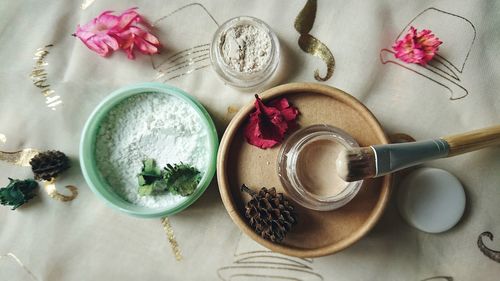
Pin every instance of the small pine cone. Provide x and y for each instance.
(270, 214)
(48, 164)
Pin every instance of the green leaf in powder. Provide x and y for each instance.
(148, 178)
(159, 186)
(141, 180)
(150, 167)
(181, 178)
(146, 189)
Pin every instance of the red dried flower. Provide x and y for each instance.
(268, 124)
(417, 46)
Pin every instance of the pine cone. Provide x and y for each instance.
(269, 213)
(47, 165)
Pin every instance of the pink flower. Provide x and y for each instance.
(108, 33)
(96, 34)
(417, 47)
(134, 37)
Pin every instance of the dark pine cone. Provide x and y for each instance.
(48, 164)
(270, 214)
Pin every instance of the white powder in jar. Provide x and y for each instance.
(149, 125)
(245, 48)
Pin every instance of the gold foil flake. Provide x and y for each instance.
(169, 231)
(232, 109)
(50, 188)
(86, 4)
(305, 19)
(39, 77)
(311, 45)
(19, 158)
(18, 261)
(3, 138)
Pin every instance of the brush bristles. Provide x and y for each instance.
(356, 164)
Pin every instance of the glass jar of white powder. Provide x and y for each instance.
(245, 52)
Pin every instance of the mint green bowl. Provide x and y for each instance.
(100, 186)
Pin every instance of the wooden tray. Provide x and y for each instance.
(317, 233)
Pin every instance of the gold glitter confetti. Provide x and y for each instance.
(311, 45)
(86, 4)
(50, 188)
(171, 238)
(3, 138)
(19, 158)
(39, 77)
(18, 261)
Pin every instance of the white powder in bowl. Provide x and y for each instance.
(245, 48)
(149, 125)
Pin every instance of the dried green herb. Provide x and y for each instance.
(18, 192)
(150, 179)
(181, 178)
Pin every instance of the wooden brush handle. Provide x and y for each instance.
(473, 140)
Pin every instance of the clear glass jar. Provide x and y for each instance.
(239, 79)
(295, 156)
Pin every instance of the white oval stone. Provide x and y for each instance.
(431, 200)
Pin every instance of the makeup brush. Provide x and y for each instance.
(378, 160)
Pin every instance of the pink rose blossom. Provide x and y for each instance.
(108, 33)
(417, 47)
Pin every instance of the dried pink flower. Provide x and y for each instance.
(108, 33)
(417, 46)
(135, 37)
(96, 34)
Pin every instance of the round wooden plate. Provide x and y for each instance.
(316, 233)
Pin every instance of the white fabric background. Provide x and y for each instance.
(86, 240)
